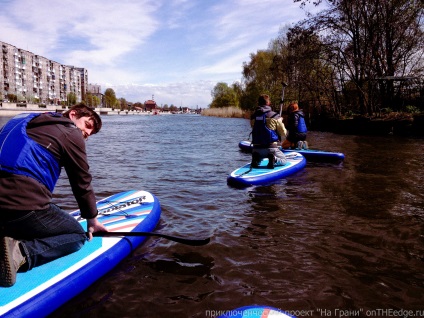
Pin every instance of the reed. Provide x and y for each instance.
(228, 112)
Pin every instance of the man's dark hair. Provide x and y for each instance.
(263, 100)
(83, 110)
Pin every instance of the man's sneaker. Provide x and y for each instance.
(10, 260)
(271, 161)
(299, 145)
(256, 159)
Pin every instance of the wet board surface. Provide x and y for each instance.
(247, 176)
(43, 289)
(309, 154)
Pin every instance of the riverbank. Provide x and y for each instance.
(407, 125)
(395, 123)
(12, 109)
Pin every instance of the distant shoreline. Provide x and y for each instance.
(12, 109)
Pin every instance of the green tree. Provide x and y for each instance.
(265, 72)
(123, 105)
(71, 99)
(117, 104)
(258, 70)
(96, 101)
(110, 98)
(89, 99)
(223, 96)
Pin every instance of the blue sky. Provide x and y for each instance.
(176, 50)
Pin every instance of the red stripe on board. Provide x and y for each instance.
(266, 313)
(127, 225)
(121, 217)
(112, 220)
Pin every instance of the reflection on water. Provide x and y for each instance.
(333, 236)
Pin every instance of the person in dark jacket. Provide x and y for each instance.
(33, 149)
(296, 126)
(268, 130)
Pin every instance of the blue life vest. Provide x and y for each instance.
(301, 128)
(19, 154)
(261, 134)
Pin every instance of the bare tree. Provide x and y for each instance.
(371, 44)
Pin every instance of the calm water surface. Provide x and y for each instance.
(334, 239)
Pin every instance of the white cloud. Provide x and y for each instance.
(174, 49)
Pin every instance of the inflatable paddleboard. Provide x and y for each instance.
(309, 154)
(247, 176)
(43, 289)
(255, 312)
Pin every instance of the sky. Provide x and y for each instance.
(174, 51)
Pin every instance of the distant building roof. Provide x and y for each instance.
(150, 102)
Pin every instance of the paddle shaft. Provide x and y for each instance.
(282, 97)
(195, 242)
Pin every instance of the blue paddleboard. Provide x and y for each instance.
(43, 289)
(247, 176)
(309, 154)
(255, 312)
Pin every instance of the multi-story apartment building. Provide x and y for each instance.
(96, 90)
(36, 79)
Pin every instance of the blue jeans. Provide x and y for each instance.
(45, 235)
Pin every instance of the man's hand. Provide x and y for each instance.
(93, 225)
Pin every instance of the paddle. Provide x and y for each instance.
(282, 96)
(195, 242)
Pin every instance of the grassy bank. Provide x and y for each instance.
(228, 112)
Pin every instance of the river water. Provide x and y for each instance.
(333, 240)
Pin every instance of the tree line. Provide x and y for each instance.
(111, 101)
(353, 57)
